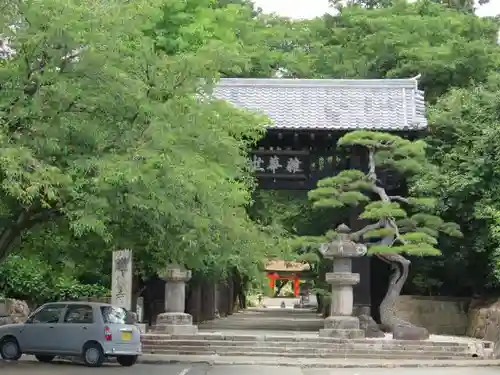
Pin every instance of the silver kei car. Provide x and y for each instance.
(88, 330)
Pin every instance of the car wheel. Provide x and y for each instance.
(9, 349)
(126, 360)
(93, 355)
(45, 358)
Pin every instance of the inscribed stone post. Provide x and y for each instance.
(140, 309)
(121, 292)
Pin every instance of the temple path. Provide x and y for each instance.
(268, 321)
(287, 321)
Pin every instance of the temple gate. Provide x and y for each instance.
(290, 271)
(308, 117)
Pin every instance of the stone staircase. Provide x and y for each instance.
(293, 333)
(261, 319)
(307, 347)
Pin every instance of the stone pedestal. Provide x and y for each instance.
(341, 323)
(175, 323)
(174, 320)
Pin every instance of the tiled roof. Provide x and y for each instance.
(281, 265)
(331, 104)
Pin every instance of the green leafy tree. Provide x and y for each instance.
(34, 280)
(395, 224)
(448, 48)
(245, 42)
(460, 5)
(107, 135)
(464, 144)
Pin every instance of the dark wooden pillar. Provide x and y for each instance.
(193, 300)
(208, 300)
(223, 294)
(362, 291)
(230, 292)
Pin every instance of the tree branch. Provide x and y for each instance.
(372, 172)
(389, 222)
(399, 198)
(44, 215)
(357, 235)
(372, 175)
(26, 219)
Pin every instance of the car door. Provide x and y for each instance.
(76, 328)
(42, 325)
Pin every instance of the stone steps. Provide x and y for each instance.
(271, 319)
(276, 311)
(304, 347)
(284, 339)
(301, 353)
(249, 345)
(303, 326)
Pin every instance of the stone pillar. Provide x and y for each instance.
(174, 320)
(358, 159)
(341, 323)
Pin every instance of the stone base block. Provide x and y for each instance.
(172, 329)
(370, 327)
(174, 318)
(343, 327)
(175, 324)
(409, 332)
(342, 333)
(342, 322)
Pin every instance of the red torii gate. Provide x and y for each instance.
(275, 276)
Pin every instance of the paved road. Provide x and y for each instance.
(31, 368)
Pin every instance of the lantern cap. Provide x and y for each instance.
(343, 229)
(342, 246)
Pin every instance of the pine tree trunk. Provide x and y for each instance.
(398, 278)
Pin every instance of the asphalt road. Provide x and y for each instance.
(62, 368)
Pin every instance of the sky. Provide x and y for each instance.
(313, 8)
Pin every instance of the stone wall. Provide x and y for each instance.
(440, 315)
(484, 320)
(13, 311)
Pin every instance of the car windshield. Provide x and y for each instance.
(113, 315)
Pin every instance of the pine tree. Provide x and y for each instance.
(396, 224)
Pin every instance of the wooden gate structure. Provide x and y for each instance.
(308, 116)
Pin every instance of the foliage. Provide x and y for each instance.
(467, 6)
(448, 48)
(395, 224)
(107, 133)
(33, 280)
(464, 144)
(108, 140)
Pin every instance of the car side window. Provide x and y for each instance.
(48, 314)
(79, 314)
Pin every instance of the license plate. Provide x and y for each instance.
(126, 336)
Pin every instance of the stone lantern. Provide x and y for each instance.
(341, 323)
(174, 320)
